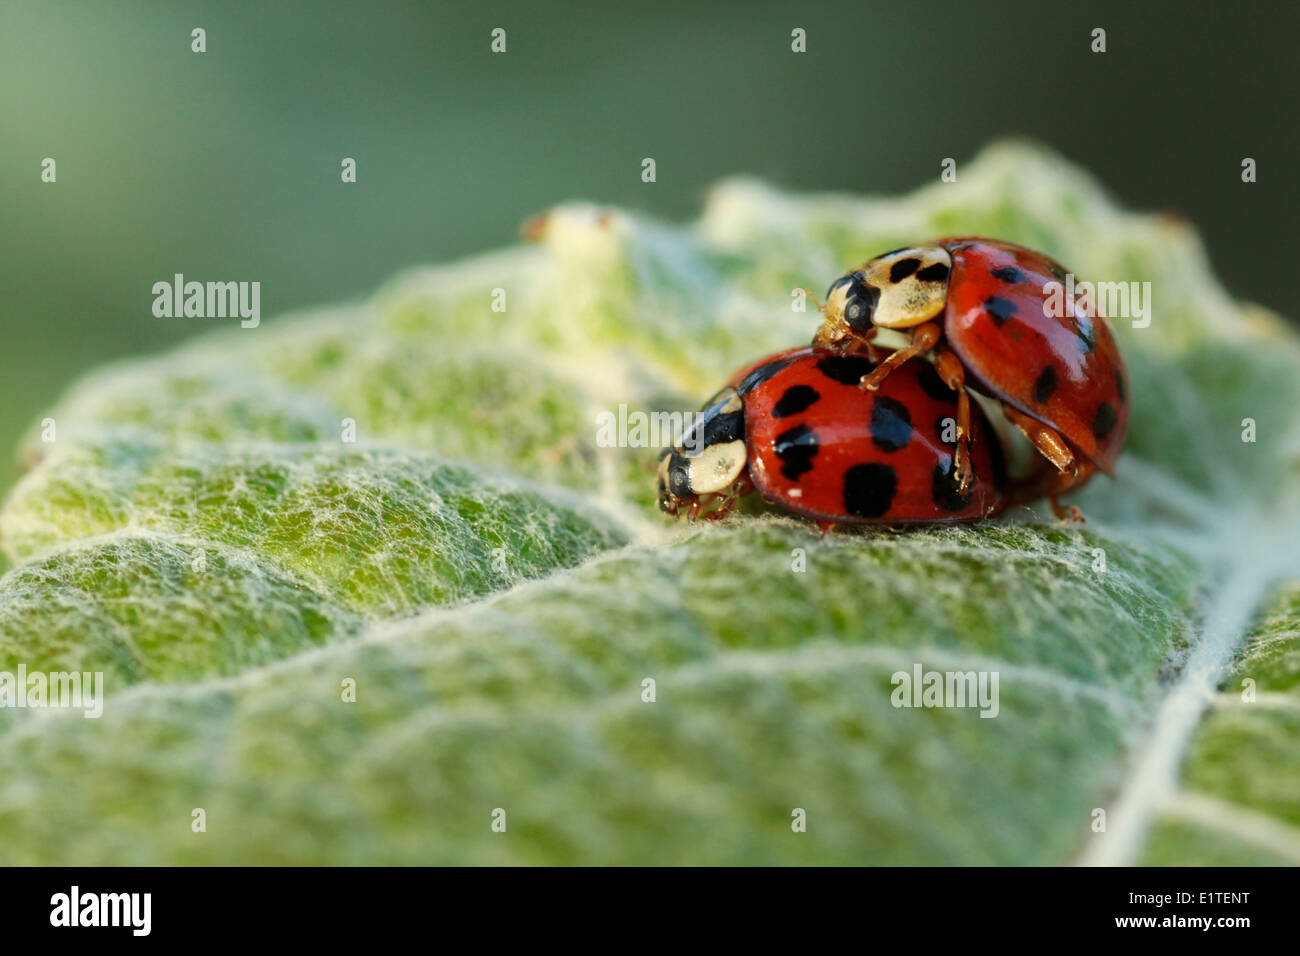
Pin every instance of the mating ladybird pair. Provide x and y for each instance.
(849, 433)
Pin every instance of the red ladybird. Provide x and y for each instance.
(986, 308)
(798, 427)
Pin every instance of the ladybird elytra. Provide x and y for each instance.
(986, 304)
(817, 445)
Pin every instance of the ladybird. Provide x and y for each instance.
(797, 427)
(982, 306)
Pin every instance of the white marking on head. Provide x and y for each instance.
(717, 467)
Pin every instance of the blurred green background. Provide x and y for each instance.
(225, 166)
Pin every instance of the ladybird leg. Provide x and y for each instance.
(867, 346)
(720, 512)
(855, 344)
(1070, 472)
(924, 338)
(1053, 485)
(826, 526)
(1065, 512)
(953, 375)
(841, 340)
(739, 489)
(1047, 440)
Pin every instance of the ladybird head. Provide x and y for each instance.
(709, 458)
(850, 306)
(897, 290)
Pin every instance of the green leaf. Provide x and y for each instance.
(380, 531)
(492, 583)
(1238, 803)
(145, 607)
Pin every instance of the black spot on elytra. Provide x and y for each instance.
(1009, 274)
(903, 268)
(1104, 422)
(934, 273)
(999, 308)
(943, 488)
(796, 448)
(1120, 388)
(846, 369)
(891, 425)
(869, 489)
(934, 386)
(761, 374)
(1045, 385)
(795, 400)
